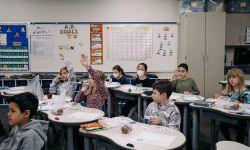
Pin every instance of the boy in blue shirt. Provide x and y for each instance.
(26, 133)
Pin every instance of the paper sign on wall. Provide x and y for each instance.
(96, 44)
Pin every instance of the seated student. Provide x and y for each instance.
(118, 75)
(141, 80)
(66, 81)
(182, 83)
(26, 133)
(236, 90)
(161, 111)
(93, 91)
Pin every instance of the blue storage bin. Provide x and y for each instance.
(215, 5)
(9, 83)
(21, 82)
(234, 6)
(46, 83)
(197, 5)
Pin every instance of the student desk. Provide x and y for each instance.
(73, 116)
(231, 145)
(6, 92)
(178, 100)
(110, 86)
(130, 92)
(115, 139)
(215, 114)
(224, 83)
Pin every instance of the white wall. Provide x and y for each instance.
(89, 10)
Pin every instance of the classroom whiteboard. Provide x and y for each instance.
(126, 45)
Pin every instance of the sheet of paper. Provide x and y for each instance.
(175, 97)
(83, 115)
(190, 98)
(42, 46)
(154, 139)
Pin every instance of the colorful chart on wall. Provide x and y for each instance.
(14, 53)
(106, 45)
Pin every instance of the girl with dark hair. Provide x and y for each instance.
(118, 75)
(141, 80)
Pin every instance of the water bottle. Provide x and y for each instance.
(110, 79)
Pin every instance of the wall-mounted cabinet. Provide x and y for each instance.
(236, 25)
(202, 47)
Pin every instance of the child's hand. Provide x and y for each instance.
(174, 77)
(155, 120)
(187, 93)
(218, 95)
(62, 56)
(57, 79)
(84, 60)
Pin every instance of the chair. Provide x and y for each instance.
(45, 127)
(152, 75)
(4, 108)
(230, 145)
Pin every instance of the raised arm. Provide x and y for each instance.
(91, 71)
(53, 85)
(71, 75)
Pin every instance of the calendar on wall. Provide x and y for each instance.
(14, 52)
(130, 42)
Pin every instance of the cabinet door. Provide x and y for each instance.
(233, 29)
(215, 51)
(195, 47)
(245, 21)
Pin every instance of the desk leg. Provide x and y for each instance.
(139, 108)
(109, 104)
(196, 129)
(70, 144)
(97, 144)
(185, 124)
(212, 134)
(145, 102)
(248, 133)
(86, 143)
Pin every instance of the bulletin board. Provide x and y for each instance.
(106, 45)
(14, 53)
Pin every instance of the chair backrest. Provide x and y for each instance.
(4, 108)
(45, 126)
(230, 145)
(149, 75)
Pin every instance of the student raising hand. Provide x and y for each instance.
(84, 60)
